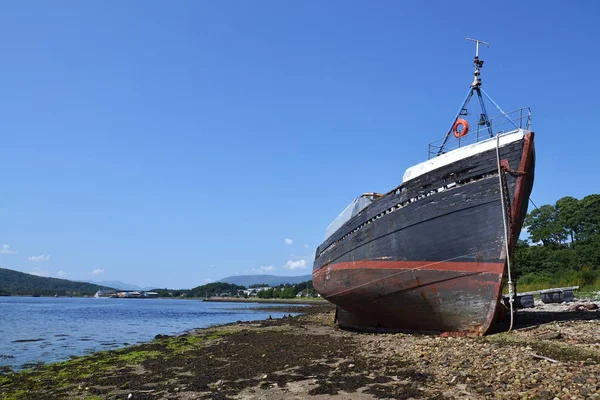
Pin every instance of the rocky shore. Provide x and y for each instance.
(552, 354)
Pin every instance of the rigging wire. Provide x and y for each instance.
(506, 238)
(499, 109)
(536, 207)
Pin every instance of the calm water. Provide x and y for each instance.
(41, 329)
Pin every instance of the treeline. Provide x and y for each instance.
(15, 283)
(262, 291)
(287, 291)
(563, 247)
(215, 289)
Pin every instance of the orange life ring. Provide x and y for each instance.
(465, 128)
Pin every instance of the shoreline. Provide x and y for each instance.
(55, 343)
(306, 356)
(268, 301)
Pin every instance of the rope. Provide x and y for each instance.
(506, 238)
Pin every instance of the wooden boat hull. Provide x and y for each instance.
(430, 256)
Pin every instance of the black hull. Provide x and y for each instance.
(430, 255)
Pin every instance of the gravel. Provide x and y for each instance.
(553, 353)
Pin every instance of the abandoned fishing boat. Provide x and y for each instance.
(433, 254)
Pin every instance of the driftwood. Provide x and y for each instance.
(549, 336)
(543, 358)
(583, 307)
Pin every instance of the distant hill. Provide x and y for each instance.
(121, 285)
(271, 280)
(214, 289)
(20, 283)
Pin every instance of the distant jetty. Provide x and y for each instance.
(126, 294)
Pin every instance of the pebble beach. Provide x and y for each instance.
(552, 353)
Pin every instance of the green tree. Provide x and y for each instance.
(590, 224)
(544, 225)
(589, 252)
(265, 294)
(304, 286)
(569, 216)
(289, 292)
(551, 228)
(215, 289)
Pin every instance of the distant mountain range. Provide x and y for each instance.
(18, 283)
(271, 280)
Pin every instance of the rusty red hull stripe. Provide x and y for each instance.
(474, 267)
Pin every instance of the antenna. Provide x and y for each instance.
(477, 45)
(477, 62)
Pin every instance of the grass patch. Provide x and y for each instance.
(18, 395)
(139, 356)
(185, 343)
(217, 335)
(587, 280)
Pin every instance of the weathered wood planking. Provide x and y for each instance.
(462, 170)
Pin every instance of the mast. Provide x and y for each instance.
(477, 63)
(475, 88)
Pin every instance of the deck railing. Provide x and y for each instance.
(506, 122)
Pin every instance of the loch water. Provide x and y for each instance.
(37, 330)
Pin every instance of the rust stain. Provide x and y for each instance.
(460, 334)
(523, 180)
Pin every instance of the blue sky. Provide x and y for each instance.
(175, 143)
